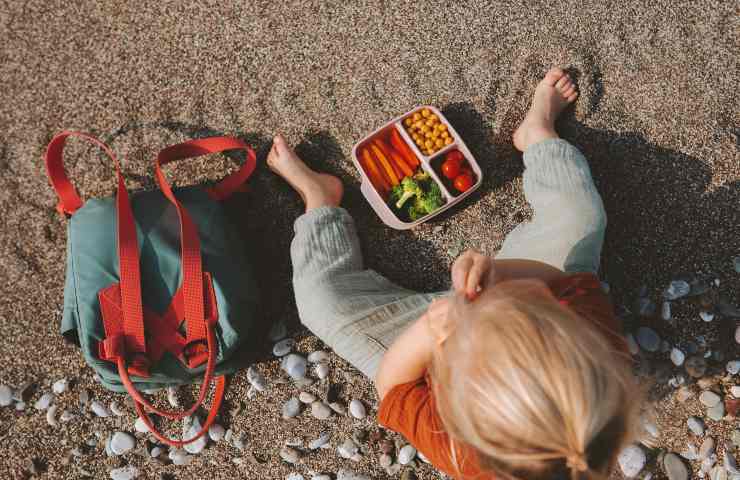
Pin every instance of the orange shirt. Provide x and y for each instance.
(409, 408)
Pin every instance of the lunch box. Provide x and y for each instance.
(430, 164)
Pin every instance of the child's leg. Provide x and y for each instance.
(356, 312)
(567, 229)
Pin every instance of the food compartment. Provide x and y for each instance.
(457, 171)
(428, 130)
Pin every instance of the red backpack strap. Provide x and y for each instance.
(127, 337)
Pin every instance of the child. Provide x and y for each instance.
(520, 372)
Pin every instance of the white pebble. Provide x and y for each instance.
(676, 290)
(294, 365)
(60, 386)
(319, 356)
(338, 407)
(665, 311)
(706, 316)
(733, 367)
(66, 416)
(84, 396)
(306, 397)
(735, 391)
(319, 442)
(124, 473)
(290, 455)
(20, 406)
(51, 418)
(736, 264)
(216, 432)
(321, 477)
(179, 456)
(6, 395)
(291, 408)
(322, 370)
(116, 409)
(256, 379)
(357, 409)
(320, 410)
(632, 346)
(348, 449)
(677, 357)
(283, 347)
(696, 425)
(632, 460)
(44, 402)
(189, 430)
(709, 399)
(140, 426)
(343, 474)
(172, 397)
(99, 409)
(406, 454)
(122, 442)
(156, 452)
(295, 476)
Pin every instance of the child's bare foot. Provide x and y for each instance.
(551, 96)
(316, 189)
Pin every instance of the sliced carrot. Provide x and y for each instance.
(395, 167)
(386, 164)
(400, 145)
(366, 160)
(398, 159)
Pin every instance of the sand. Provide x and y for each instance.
(657, 117)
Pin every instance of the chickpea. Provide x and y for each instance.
(428, 135)
(416, 117)
(407, 121)
(442, 127)
(429, 144)
(435, 135)
(439, 127)
(430, 124)
(425, 112)
(439, 143)
(425, 129)
(416, 136)
(448, 140)
(444, 134)
(419, 124)
(420, 142)
(433, 118)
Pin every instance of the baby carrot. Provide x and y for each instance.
(386, 165)
(372, 170)
(398, 159)
(403, 149)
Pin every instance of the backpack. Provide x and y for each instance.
(158, 289)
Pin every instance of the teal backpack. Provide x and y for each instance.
(158, 290)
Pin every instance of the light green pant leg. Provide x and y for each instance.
(567, 228)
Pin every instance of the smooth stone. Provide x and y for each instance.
(256, 379)
(730, 462)
(706, 316)
(6, 395)
(707, 448)
(736, 264)
(116, 409)
(677, 289)
(290, 455)
(357, 409)
(84, 396)
(66, 416)
(283, 347)
(338, 407)
(294, 442)
(733, 367)
(320, 410)
(295, 476)
(319, 442)
(173, 397)
(44, 402)
(180, 456)
(124, 473)
(348, 448)
(306, 397)
(709, 398)
(239, 441)
(718, 473)
(156, 452)
(691, 453)
(51, 416)
(665, 311)
(648, 339)
(99, 409)
(216, 432)
(322, 371)
(278, 331)
(675, 468)
(60, 386)
(696, 425)
(122, 442)
(676, 381)
(735, 437)
(632, 346)
(696, 366)
(189, 430)
(321, 477)
(677, 357)
(406, 454)
(735, 391)
(291, 408)
(319, 356)
(646, 307)
(717, 412)
(706, 465)
(294, 365)
(140, 426)
(343, 474)
(385, 460)
(737, 334)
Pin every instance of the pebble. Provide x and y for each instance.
(632, 346)
(320, 410)
(735, 437)
(319, 442)
(736, 264)
(665, 311)
(140, 426)
(216, 432)
(321, 477)
(278, 331)
(239, 441)
(322, 371)
(6, 395)
(294, 442)
(648, 339)
(706, 316)
(60, 386)
(51, 416)
(84, 396)
(343, 474)
(304, 382)
(338, 407)
(674, 467)
(156, 452)
(291, 408)
(716, 412)
(709, 398)
(180, 456)
(406, 454)
(718, 473)
(707, 464)
(696, 425)
(116, 409)
(172, 397)
(707, 448)
(677, 357)
(256, 379)
(66, 416)
(295, 476)
(735, 391)
(348, 448)
(737, 334)
(190, 429)
(319, 356)
(733, 367)
(696, 366)
(122, 442)
(357, 409)
(124, 473)
(44, 402)
(691, 453)
(730, 461)
(646, 307)
(385, 460)
(677, 289)
(290, 454)
(294, 365)
(99, 409)
(306, 397)
(283, 347)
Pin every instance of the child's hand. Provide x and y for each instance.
(470, 273)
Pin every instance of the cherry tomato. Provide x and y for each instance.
(455, 155)
(451, 168)
(464, 181)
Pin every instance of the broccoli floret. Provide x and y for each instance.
(432, 198)
(409, 188)
(416, 211)
(426, 194)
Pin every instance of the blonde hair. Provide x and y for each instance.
(533, 389)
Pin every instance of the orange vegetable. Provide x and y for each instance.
(399, 165)
(386, 164)
(366, 160)
(400, 145)
(398, 159)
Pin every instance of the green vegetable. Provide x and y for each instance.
(416, 197)
(402, 192)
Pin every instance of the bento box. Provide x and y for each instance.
(415, 167)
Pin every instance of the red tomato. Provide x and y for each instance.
(455, 155)
(451, 168)
(464, 181)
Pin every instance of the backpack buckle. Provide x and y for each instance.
(196, 353)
